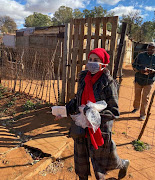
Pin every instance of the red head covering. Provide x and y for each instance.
(102, 54)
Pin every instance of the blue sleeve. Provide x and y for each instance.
(137, 63)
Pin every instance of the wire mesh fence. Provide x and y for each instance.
(35, 71)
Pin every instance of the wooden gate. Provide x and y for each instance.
(81, 36)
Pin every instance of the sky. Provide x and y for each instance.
(20, 9)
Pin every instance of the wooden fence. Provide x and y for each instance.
(58, 65)
(81, 36)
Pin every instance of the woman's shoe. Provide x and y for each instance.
(123, 171)
(134, 110)
(142, 118)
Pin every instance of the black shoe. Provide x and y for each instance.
(135, 110)
(123, 171)
(100, 176)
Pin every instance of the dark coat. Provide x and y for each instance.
(105, 158)
(142, 61)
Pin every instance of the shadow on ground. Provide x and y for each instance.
(39, 122)
(128, 72)
(127, 118)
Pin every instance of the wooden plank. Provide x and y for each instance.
(64, 73)
(93, 37)
(104, 32)
(88, 38)
(119, 52)
(16, 76)
(100, 37)
(114, 21)
(58, 82)
(147, 116)
(70, 37)
(97, 28)
(74, 59)
(120, 74)
(80, 56)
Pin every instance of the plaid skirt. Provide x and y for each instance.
(103, 159)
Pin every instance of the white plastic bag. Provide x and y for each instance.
(93, 114)
(92, 118)
(59, 110)
(99, 105)
(80, 119)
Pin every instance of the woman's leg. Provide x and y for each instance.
(81, 158)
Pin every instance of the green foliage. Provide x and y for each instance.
(70, 168)
(29, 105)
(5, 110)
(98, 11)
(37, 20)
(87, 13)
(65, 14)
(139, 145)
(13, 113)
(13, 99)
(138, 31)
(109, 26)
(1, 95)
(2, 90)
(62, 15)
(17, 94)
(77, 14)
(7, 24)
(148, 31)
(124, 133)
(11, 103)
(134, 21)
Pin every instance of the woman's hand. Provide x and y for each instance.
(58, 118)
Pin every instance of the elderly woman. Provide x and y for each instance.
(96, 84)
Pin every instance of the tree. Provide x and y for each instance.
(62, 15)
(65, 14)
(77, 14)
(148, 33)
(37, 20)
(138, 31)
(7, 24)
(98, 11)
(134, 21)
(86, 13)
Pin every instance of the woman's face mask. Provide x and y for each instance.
(94, 67)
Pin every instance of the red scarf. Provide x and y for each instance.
(88, 94)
